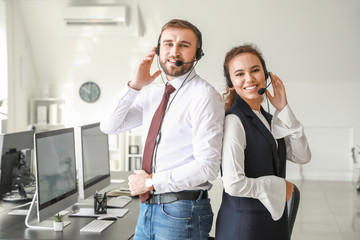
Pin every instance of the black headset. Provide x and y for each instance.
(199, 51)
(227, 75)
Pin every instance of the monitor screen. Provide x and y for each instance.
(92, 154)
(15, 159)
(55, 171)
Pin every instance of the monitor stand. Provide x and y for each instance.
(31, 218)
(18, 196)
(88, 202)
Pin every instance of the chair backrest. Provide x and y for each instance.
(293, 205)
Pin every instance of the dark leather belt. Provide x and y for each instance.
(172, 197)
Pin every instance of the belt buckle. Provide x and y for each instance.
(151, 198)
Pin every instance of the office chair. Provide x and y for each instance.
(356, 158)
(293, 205)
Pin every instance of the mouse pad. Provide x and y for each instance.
(89, 212)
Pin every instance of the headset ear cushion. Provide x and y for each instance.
(199, 54)
(266, 74)
(157, 51)
(228, 81)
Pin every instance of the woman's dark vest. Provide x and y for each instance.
(247, 218)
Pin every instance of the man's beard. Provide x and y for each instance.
(174, 71)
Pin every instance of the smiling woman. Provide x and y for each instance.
(256, 146)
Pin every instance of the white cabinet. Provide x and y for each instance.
(126, 150)
(117, 152)
(46, 113)
(134, 149)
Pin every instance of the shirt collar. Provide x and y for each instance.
(176, 82)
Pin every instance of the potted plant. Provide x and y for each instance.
(58, 223)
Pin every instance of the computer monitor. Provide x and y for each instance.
(16, 160)
(92, 154)
(55, 165)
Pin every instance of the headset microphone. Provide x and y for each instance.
(261, 91)
(179, 63)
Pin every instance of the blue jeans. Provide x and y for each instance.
(183, 219)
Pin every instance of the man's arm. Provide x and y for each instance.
(124, 114)
(127, 113)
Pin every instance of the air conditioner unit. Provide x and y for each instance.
(80, 15)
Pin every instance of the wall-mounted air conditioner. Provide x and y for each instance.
(80, 15)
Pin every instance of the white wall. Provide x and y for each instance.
(329, 111)
(313, 45)
(21, 76)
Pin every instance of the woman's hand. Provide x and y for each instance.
(279, 100)
(142, 76)
(289, 190)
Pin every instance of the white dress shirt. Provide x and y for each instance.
(189, 152)
(270, 190)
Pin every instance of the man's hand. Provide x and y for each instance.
(142, 76)
(137, 182)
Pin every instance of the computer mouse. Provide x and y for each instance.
(107, 217)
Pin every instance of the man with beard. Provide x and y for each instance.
(182, 123)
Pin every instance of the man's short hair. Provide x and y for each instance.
(183, 24)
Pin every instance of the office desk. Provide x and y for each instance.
(13, 227)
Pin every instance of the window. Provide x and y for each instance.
(3, 62)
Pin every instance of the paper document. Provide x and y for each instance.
(89, 212)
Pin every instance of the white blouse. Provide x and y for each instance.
(270, 190)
